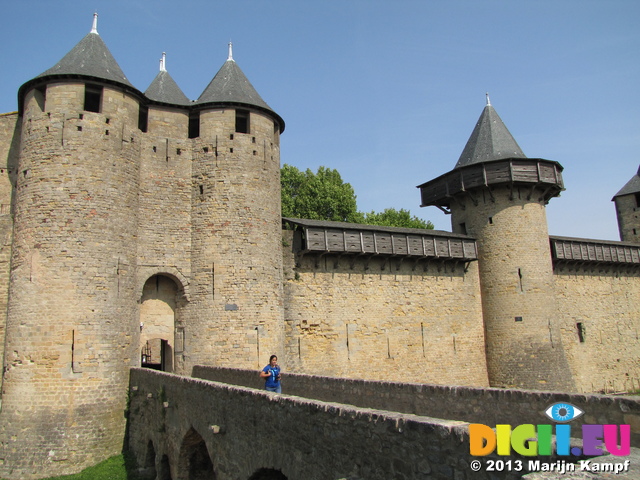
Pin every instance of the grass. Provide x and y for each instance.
(114, 468)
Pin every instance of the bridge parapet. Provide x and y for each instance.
(490, 406)
(186, 427)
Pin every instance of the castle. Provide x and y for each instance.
(142, 228)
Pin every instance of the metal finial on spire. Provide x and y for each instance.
(94, 27)
(488, 101)
(163, 62)
(230, 52)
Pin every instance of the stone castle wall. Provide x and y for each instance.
(600, 311)
(10, 128)
(628, 214)
(524, 347)
(72, 307)
(383, 319)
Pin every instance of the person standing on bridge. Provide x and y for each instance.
(271, 374)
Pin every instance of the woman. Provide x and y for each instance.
(271, 374)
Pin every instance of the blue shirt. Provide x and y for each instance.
(272, 379)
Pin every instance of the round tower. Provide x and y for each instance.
(497, 195)
(71, 331)
(236, 313)
(627, 202)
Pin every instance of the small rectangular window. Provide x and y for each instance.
(242, 121)
(143, 118)
(194, 124)
(637, 199)
(92, 98)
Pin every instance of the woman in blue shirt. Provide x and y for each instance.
(271, 374)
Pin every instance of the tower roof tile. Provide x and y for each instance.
(632, 186)
(490, 140)
(230, 86)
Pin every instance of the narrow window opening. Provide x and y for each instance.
(637, 199)
(106, 132)
(253, 139)
(520, 280)
(194, 124)
(92, 98)
(463, 228)
(231, 150)
(205, 149)
(231, 137)
(155, 149)
(634, 230)
(490, 220)
(178, 151)
(107, 121)
(40, 96)
(201, 190)
(79, 128)
(518, 319)
(255, 152)
(242, 121)
(81, 116)
(143, 118)
(581, 331)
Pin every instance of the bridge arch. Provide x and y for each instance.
(194, 462)
(268, 474)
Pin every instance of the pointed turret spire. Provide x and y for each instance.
(230, 86)
(490, 140)
(94, 27)
(163, 62)
(230, 58)
(631, 187)
(164, 89)
(90, 58)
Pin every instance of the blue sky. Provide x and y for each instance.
(388, 92)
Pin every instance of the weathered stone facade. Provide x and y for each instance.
(146, 230)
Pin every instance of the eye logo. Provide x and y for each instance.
(563, 412)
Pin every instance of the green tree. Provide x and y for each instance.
(325, 196)
(317, 196)
(391, 217)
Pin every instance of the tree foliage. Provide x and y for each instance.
(391, 217)
(317, 196)
(325, 196)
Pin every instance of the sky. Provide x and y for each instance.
(387, 92)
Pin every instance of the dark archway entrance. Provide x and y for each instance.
(268, 474)
(157, 323)
(194, 462)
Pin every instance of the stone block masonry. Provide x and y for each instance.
(490, 406)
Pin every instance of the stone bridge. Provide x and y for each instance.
(221, 424)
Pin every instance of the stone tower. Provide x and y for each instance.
(627, 202)
(121, 197)
(498, 195)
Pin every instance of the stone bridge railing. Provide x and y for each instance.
(186, 428)
(183, 428)
(490, 406)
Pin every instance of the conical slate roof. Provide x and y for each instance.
(632, 186)
(490, 140)
(90, 57)
(231, 86)
(164, 89)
